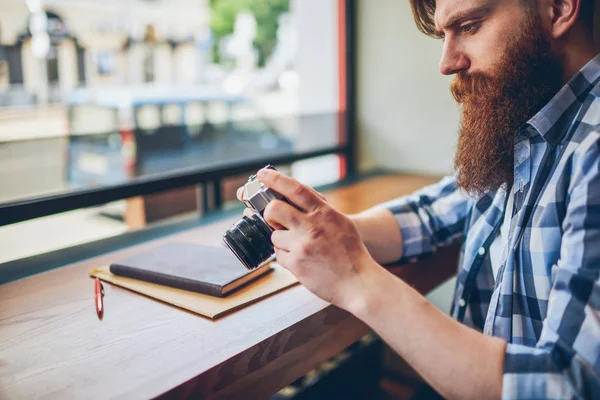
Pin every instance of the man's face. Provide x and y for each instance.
(475, 32)
(505, 72)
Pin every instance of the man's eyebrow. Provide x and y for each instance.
(458, 17)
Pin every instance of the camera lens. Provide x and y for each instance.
(250, 240)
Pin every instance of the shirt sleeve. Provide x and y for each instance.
(565, 363)
(430, 218)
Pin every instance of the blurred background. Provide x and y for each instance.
(119, 99)
(134, 100)
(95, 95)
(118, 115)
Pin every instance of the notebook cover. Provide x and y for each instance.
(187, 266)
(209, 306)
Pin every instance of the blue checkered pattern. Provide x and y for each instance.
(545, 301)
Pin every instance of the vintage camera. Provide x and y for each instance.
(250, 237)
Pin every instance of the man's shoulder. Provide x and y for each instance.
(586, 134)
(590, 109)
(595, 91)
(582, 152)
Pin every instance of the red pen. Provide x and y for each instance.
(99, 297)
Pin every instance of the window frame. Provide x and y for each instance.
(26, 209)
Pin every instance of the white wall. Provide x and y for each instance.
(407, 119)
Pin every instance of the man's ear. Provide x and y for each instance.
(563, 14)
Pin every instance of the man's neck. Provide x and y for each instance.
(579, 54)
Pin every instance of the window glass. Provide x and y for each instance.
(96, 95)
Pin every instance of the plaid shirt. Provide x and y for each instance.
(545, 301)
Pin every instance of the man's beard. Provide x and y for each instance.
(494, 107)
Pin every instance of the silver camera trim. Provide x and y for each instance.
(257, 195)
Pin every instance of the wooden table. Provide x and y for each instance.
(52, 344)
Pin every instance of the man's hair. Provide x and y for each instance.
(424, 13)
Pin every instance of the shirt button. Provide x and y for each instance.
(481, 251)
(462, 302)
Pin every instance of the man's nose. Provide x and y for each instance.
(453, 60)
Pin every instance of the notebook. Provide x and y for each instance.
(208, 306)
(209, 270)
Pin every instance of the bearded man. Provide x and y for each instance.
(524, 202)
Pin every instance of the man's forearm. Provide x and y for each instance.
(380, 233)
(456, 360)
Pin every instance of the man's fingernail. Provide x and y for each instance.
(262, 173)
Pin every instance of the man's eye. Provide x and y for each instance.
(469, 28)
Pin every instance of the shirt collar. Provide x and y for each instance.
(554, 119)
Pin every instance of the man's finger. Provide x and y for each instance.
(283, 257)
(281, 214)
(282, 240)
(296, 192)
(317, 193)
(240, 193)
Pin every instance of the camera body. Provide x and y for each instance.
(257, 196)
(249, 238)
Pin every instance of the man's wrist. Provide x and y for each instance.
(363, 296)
(379, 231)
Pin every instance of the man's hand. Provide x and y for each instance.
(318, 244)
(377, 227)
(323, 249)
(248, 212)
